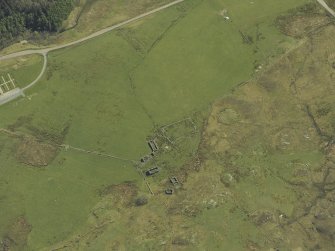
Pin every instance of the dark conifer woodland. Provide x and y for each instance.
(19, 17)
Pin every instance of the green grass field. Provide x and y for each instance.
(24, 69)
(111, 93)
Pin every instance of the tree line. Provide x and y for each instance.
(18, 17)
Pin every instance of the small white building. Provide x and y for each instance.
(8, 90)
(7, 85)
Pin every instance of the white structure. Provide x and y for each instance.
(8, 90)
(8, 85)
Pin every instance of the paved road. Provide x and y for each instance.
(45, 51)
(325, 5)
(45, 62)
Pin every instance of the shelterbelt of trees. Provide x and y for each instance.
(18, 17)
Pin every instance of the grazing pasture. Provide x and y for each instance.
(70, 149)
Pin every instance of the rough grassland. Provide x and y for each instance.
(109, 95)
(264, 176)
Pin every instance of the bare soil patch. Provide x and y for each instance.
(123, 194)
(35, 153)
(16, 236)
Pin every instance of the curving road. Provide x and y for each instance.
(45, 51)
(45, 62)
